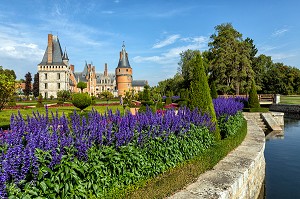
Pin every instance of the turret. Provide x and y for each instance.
(123, 73)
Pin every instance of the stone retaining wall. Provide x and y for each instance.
(239, 175)
(285, 108)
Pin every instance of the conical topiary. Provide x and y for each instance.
(213, 91)
(200, 93)
(253, 97)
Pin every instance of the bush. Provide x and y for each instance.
(253, 97)
(229, 125)
(40, 101)
(145, 103)
(182, 103)
(81, 100)
(168, 100)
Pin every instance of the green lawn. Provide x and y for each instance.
(67, 110)
(290, 99)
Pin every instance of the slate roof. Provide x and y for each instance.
(140, 83)
(57, 53)
(123, 61)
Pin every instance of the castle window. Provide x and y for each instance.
(46, 85)
(58, 85)
(126, 70)
(119, 70)
(58, 75)
(55, 66)
(46, 76)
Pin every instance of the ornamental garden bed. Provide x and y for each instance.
(103, 155)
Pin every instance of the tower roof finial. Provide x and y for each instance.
(123, 46)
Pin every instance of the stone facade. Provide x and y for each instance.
(55, 73)
(239, 175)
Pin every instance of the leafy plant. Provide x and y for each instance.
(81, 100)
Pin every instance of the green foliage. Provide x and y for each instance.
(179, 177)
(7, 89)
(230, 59)
(81, 100)
(81, 85)
(168, 100)
(63, 95)
(213, 91)
(200, 93)
(229, 126)
(106, 95)
(35, 86)
(28, 80)
(146, 93)
(253, 97)
(40, 101)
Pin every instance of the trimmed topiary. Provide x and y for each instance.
(253, 97)
(213, 91)
(40, 101)
(81, 100)
(200, 93)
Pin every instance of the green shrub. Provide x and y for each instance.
(200, 93)
(213, 90)
(168, 100)
(81, 100)
(40, 101)
(253, 97)
(183, 103)
(93, 100)
(149, 103)
(229, 126)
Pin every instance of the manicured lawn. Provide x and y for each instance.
(67, 110)
(290, 99)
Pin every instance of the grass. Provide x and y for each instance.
(290, 99)
(67, 110)
(177, 178)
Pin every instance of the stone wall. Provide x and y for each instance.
(239, 175)
(285, 108)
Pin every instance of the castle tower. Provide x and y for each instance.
(54, 70)
(123, 73)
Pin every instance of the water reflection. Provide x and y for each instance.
(283, 162)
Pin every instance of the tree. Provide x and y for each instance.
(81, 85)
(253, 97)
(35, 88)
(63, 95)
(186, 66)
(7, 89)
(28, 80)
(231, 63)
(8, 72)
(81, 100)
(213, 90)
(200, 93)
(146, 93)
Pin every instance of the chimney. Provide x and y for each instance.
(50, 48)
(72, 67)
(105, 69)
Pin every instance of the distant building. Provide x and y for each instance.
(55, 73)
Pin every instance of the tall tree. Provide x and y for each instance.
(231, 63)
(7, 89)
(186, 66)
(28, 80)
(8, 72)
(200, 93)
(35, 88)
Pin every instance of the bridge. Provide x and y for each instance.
(264, 99)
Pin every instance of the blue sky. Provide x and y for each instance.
(154, 31)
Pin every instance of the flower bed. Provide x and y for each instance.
(53, 157)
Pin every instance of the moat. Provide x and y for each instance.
(282, 156)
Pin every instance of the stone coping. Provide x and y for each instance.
(239, 175)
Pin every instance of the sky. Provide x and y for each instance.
(154, 32)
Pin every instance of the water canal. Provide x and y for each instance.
(282, 156)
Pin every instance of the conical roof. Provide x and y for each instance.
(123, 61)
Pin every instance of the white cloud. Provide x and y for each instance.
(279, 32)
(281, 56)
(170, 40)
(172, 55)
